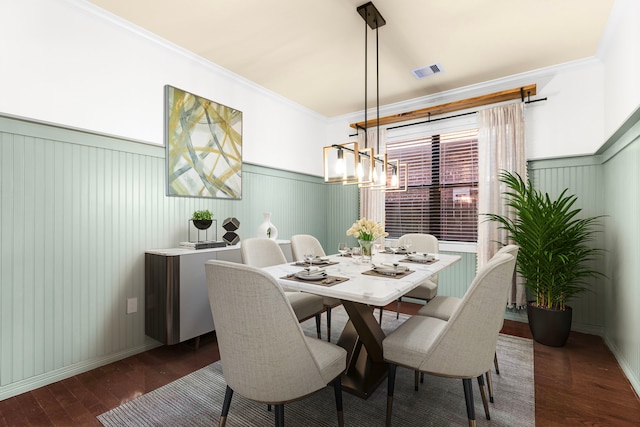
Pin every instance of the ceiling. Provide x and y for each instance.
(313, 52)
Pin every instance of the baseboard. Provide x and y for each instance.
(51, 377)
(628, 372)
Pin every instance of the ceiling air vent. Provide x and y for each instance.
(427, 71)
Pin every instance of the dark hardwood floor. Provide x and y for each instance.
(580, 384)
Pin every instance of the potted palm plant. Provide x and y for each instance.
(554, 254)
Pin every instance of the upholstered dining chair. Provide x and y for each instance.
(462, 347)
(262, 252)
(443, 306)
(265, 356)
(428, 289)
(299, 244)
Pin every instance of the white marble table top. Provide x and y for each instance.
(378, 290)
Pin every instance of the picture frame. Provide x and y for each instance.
(203, 141)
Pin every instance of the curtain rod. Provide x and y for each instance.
(430, 120)
(451, 107)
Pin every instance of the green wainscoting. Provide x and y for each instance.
(583, 176)
(455, 281)
(621, 204)
(78, 210)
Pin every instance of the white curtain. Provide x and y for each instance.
(372, 200)
(500, 147)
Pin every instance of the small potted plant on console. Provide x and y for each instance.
(202, 220)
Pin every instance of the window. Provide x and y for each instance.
(442, 193)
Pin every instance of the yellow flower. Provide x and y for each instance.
(366, 229)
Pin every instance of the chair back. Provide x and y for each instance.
(509, 249)
(263, 351)
(261, 252)
(302, 242)
(466, 345)
(420, 242)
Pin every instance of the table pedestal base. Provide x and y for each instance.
(362, 338)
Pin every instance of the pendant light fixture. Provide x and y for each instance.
(350, 163)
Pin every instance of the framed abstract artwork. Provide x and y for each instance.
(203, 141)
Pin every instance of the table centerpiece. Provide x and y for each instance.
(366, 231)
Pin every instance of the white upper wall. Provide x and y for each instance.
(568, 123)
(620, 54)
(69, 63)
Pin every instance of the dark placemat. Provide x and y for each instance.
(417, 261)
(315, 264)
(398, 275)
(327, 281)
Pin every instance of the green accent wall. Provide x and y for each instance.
(78, 211)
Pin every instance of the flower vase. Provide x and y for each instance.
(365, 251)
(267, 229)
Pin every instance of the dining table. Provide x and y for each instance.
(362, 286)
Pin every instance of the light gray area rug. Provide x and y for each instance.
(196, 399)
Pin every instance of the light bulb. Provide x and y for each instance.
(340, 167)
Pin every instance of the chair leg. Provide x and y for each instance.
(468, 398)
(489, 385)
(495, 363)
(228, 394)
(421, 377)
(380, 317)
(391, 380)
(337, 390)
(416, 378)
(318, 321)
(398, 308)
(280, 415)
(483, 395)
(328, 324)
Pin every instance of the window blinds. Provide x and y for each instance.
(442, 186)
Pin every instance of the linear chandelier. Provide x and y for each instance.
(349, 163)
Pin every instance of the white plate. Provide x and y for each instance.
(422, 257)
(389, 269)
(316, 261)
(315, 275)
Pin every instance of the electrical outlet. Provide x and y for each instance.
(132, 305)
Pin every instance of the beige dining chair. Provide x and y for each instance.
(265, 356)
(462, 347)
(299, 244)
(424, 243)
(443, 306)
(262, 252)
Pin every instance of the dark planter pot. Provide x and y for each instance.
(202, 224)
(549, 327)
